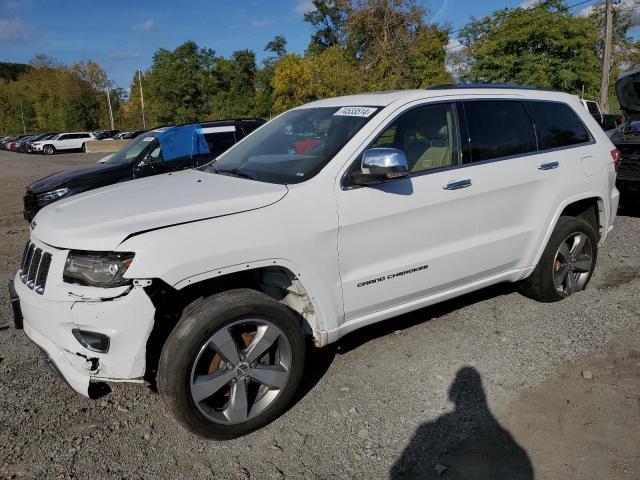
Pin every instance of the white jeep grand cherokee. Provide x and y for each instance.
(330, 217)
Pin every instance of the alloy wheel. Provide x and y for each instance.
(240, 371)
(572, 264)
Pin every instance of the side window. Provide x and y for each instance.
(84, 135)
(428, 136)
(557, 125)
(220, 142)
(63, 137)
(499, 128)
(249, 127)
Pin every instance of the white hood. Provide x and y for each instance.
(101, 219)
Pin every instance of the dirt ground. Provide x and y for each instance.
(488, 386)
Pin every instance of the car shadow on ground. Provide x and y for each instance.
(319, 359)
(467, 443)
(381, 329)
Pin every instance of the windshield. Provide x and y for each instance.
(185, 143)
(294, 146)
(132, 150)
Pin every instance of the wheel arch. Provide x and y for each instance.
(589, 206)
(278, 279)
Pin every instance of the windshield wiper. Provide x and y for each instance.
(234, 172)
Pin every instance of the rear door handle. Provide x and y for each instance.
(548, 166)
(458, 184)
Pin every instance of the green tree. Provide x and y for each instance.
(236, 92)
(277, 46)
(11, 71)
(426, 57)
(328, 19)
(264, 76)
(299, 79)
(544, 45)
(176, 85)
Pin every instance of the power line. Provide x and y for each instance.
(569, 7)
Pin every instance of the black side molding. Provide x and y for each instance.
(15, 305)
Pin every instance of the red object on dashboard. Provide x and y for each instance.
(303, 147)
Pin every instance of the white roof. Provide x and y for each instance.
(384, 99)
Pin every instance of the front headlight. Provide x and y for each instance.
(48, 197)
(97, 269)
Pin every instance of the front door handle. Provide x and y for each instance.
(548, 166)
(458, 184)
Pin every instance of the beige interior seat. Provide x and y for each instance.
(429, 146)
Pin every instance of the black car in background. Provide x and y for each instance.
(104, 134)
(626, 138)
(153, 152)
(611, 121)
(127, 135)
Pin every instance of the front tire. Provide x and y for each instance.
(567, 263)
(232, 364)
(84, 148)
(48, 150)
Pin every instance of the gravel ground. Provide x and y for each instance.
(491, 385)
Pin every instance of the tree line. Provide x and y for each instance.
(356, 46)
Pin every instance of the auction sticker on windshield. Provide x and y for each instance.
(355, 112)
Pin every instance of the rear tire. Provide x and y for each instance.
(567, 263)
(232, 364)
(48, 150)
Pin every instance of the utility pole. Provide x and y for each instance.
(144, 123)
(603, 100)
(109, 103)
(24, 129)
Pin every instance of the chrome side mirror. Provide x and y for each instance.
(380, 164)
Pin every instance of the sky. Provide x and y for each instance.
(123, 35)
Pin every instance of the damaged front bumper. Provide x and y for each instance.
(126, 320)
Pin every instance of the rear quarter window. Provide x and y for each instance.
(557, 125)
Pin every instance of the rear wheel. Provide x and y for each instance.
(567, 263)
(48, 150)
(232, 364)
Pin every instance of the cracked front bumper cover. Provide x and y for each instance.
(127, 320)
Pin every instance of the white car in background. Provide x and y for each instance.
(64, 142)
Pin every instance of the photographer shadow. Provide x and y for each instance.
(467, 443)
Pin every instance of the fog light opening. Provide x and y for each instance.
(95, 342)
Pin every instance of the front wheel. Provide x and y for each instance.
(567, 263)
(84, 148)
(232, 364)
(48, 150)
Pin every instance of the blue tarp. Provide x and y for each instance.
(185, 141)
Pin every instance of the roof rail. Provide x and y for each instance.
(454, 86)
(253, 119)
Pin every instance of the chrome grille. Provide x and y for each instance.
(35, 268)
(43, 271)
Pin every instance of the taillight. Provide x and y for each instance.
(615, 155)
